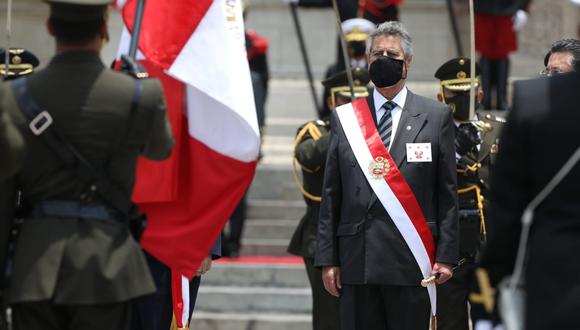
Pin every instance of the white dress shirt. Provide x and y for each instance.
(400, 100)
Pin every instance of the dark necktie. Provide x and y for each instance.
(385, 126)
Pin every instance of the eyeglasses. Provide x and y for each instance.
(548, 73)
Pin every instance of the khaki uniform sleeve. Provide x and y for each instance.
(11, 141)
(160, 141)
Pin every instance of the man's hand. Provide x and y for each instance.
(445, 272)
(331, 279)
(466, 138)
(205, 266)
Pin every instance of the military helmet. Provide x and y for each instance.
(455, 74)
(20, 63)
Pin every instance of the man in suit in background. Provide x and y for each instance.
(374, 253)
(540, 136)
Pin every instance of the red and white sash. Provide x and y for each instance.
(389, 185)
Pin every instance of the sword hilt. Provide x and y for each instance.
(425, 282)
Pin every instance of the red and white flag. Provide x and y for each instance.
(197, 49)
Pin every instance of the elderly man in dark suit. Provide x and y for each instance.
(388, 219)
(540, 136)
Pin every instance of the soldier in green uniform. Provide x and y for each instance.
(310, 151)
(76, 264)
(20, 62)
(476, 142)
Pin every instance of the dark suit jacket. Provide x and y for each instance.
(76, 261)
(354, 230)
(540, 136)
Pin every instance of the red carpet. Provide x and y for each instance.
(261, 260)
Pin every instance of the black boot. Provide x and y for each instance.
(503, 67)
(486, 77)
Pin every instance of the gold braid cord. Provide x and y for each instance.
(480, 200)
(472, 168)
(314, 132)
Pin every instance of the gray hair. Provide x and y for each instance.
(395, 29)
(571, 46)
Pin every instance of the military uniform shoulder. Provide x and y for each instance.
(314, 128)
(151, 88)
(317, 123)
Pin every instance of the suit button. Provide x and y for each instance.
(369, 216)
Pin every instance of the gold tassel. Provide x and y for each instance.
(174, 325)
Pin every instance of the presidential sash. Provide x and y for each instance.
(389, 185)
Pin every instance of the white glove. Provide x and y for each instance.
(520, 19)
(291, 2)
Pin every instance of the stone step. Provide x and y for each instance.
(274, 179)
(236, 299)
(250, 321)
(256, 274)
(270, 228)
(275, 247)
(275, 209)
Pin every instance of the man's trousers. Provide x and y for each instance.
(384, 307)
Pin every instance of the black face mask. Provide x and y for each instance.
(386, 71)
(459, 104)
(356, 48)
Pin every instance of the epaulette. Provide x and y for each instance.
(496, 119)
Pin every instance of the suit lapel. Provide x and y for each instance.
(411, 122)
(371, 104)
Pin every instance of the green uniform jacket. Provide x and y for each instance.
(11, 144)
(76, 261)
(311, 154)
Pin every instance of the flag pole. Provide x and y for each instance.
(345, 56)
(300, 36)
(472, 72)
(129, 62)
(454, 28)
(136, 29)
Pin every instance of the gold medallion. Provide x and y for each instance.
(379, 168)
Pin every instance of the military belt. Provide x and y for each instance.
(76, 210)
(469, 213)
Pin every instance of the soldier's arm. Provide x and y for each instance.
(311, 152)
(446, 190)
(160, 141)
(326, 253)
(11, 142)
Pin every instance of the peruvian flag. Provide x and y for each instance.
(196, 48)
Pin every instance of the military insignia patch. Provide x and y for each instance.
(379, 168)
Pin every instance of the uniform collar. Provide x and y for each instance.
(80, 57)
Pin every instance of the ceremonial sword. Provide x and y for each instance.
(425, 282)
